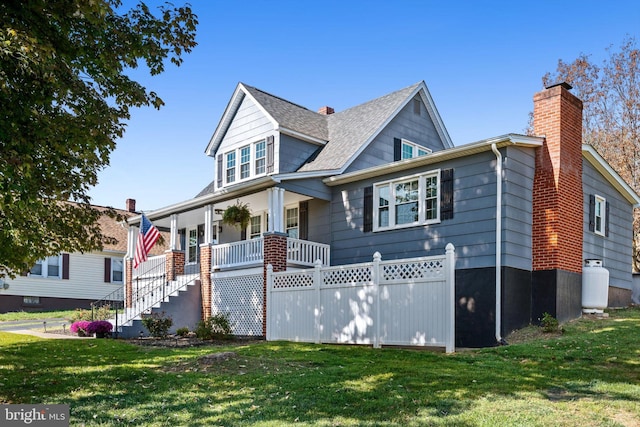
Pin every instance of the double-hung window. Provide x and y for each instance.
(245, 162)
(255, 227)
(261, 156)
(408, 201)
(48, 267)
(600, 215)
(117, 270)
(231, 167)
(292, 223)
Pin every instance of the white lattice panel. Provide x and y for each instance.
(241, 297)
(419, 269)
(358, 275)
(300, 279)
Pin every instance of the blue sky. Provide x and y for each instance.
(481, 60)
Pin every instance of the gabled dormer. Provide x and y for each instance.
(261, 134)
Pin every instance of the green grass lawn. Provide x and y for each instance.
(590, 375)
(36, 315)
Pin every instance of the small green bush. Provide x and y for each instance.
(99, 313)
(157, 324)
(182, 332)
(549, 323)
(217, 326)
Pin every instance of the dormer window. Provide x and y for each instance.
(245, 162)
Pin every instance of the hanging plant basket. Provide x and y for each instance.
(237, 215)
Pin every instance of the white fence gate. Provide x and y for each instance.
(407, 302)
(239, 294)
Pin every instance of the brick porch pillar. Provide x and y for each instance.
(128, 285)
(174, 264)
(275, 253)
(205, 279)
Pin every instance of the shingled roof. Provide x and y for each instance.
(351, 129)
(112, 228)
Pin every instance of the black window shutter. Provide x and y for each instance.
(397, 149)
(446, 194)
(107, 270)
(65, 266)
(592, 212)
(303, 219)
(606, 220)
(243, 234)
(219, 170)
(270, 160)
(368, 209)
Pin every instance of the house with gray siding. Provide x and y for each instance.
(523, 212)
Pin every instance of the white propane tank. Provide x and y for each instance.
(595, 286)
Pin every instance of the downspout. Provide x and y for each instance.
(494, 148)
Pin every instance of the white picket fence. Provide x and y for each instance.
(407, 302)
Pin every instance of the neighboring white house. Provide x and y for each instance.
(72, 280)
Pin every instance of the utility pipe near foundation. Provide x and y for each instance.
(495, 150)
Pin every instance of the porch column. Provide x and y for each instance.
(275, 253)
(173, 244)
(205, 279)
(174, 264)
(275, 202)
(132, 235)
(208, 225)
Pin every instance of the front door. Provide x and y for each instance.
(192, 250)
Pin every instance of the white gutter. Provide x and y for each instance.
(494, 148)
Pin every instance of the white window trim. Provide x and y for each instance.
(603, 215)
(253, 159)
(45, 268)
(421, 201)
(263, 225)
(414, 148)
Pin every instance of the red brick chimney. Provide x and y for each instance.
(557, 187)
(326, 110)
(130, 205)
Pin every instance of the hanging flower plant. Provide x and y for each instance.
(237, 215)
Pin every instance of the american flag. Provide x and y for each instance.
(147, 237)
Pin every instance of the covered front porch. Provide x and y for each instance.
(197, 223)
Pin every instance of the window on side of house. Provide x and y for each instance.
(117, 270)
(411, 150)
(48, 267)
(31, 300)
(291, 222)
(407, 202)
(600, 215)
(231, 167)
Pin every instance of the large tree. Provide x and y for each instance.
(65, 96)
(611, 122)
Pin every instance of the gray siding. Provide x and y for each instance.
(517, 211)
(312, 187)
(407, 125)
(319, 221)
(616, 249)
(249, 125)
(293, 153)
(472, 230)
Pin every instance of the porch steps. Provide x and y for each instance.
(174, 300)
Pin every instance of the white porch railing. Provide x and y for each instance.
(237, 254)
(251, 252)
(304, 252)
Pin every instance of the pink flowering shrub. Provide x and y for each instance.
(99, 327)
(80, 327)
